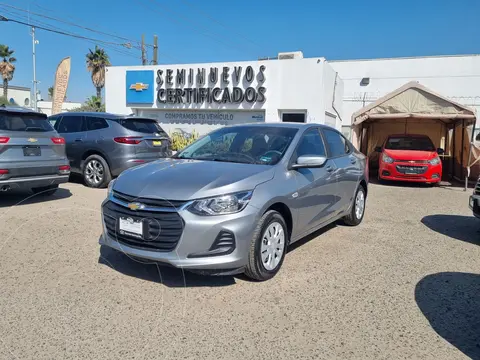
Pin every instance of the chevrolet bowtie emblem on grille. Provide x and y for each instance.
(139, 86)
(136, 206)
(32, 140)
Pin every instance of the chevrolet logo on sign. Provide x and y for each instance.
(32, 140)
(135, 206)
(139, 86)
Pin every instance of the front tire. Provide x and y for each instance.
(96, 172)
(45, 190)
(268, 247)
(357, 210)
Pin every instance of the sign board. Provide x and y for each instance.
(60, 86)
(205, 117)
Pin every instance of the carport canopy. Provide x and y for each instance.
(415, 109)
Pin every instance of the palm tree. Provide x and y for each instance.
(6, 67)
(50, 92)
(96, 62)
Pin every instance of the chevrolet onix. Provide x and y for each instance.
(233, 201)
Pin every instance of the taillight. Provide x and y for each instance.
(3, 172)
(64, 169)
(4, 139)
(58, 140)
(131, 140)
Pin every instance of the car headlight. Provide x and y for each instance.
(434, 161)
(110, 187)
(387, 159)
(221, 205)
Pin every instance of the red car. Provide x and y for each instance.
(410, 158)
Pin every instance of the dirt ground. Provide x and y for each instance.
(404, 284)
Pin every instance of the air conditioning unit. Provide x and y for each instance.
(290, 55)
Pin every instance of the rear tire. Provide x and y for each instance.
(357, 210)
(268, 247)
(45, 190)
(96, 172)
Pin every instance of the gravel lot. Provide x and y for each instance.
(404, 284)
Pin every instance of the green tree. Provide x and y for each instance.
(97, 61)
(6, 67)
(92, 104)
(50, 92)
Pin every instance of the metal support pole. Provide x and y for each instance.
(144, 55)
(155, 50)
(34, 42)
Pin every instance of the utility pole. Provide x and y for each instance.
(34, 42)
(155, 50)
(144, 53)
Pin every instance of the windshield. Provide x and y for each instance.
(419, 143)
(24, 122)
(145, 126)
(250, 145)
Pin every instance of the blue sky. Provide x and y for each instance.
(192, 31)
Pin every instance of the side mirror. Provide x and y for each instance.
(378, 149)
(309, 161)
(440, 151)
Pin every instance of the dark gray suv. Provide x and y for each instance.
(101, 145)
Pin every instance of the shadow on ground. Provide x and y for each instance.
(17, 198)
(451, 303)
(169, 276)
(459, 227)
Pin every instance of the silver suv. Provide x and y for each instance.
(32, 155)
(101, 145)
(235, 199)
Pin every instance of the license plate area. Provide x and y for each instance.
(32, 151)
(130, 227)
(157, 143)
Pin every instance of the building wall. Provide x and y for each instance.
(455, 77)
(19, 94)
(291, 86)
(45, 107)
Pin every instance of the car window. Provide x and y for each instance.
(70, 124)
(24, 122)
(146, 126)
(264, 145)
(311, 144)
(53, 120)
(420, 143)
(96, 123)
(337, 144)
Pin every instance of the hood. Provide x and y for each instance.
(410, 154)
(176, 179)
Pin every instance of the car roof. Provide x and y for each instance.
(283, 125)
(19, 110)
(99, 114)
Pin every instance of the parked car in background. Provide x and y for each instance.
(410, 157)
(235, 199)
(101, 145)
(474, 200)
(32, 154)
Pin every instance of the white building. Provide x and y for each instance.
(19, 94)
(365, 81)
(206, 96)
(45, 107)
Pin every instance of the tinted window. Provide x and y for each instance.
(421, 143)
(311, 144)
(264, 145)
(145, 126)
(52, 120)
(337, 144)
(24, 122)
(70, 124)
(96, 123)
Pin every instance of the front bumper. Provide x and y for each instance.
(432, 174)
(193, 250)
(474, 205)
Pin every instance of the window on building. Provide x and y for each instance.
(293, 117)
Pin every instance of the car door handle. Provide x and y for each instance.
(329, 168)
(353, 161)
(78, 140)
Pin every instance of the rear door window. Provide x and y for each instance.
(70, 124)
(145, 126)
(24, 122)
(96, 123)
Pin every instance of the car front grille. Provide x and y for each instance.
(477, 187)
(412, 161)
(416, 170)
(160, 203)
(161, 230)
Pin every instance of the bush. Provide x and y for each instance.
(4, 101)
(182, 140)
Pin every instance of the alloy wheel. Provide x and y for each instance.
(94, 172)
